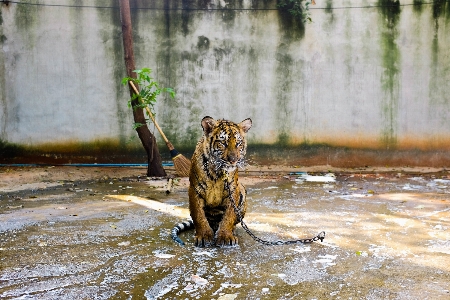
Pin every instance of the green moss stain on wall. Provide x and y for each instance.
(390, 81)
(283, 140)
(284, 81)
(27, 21)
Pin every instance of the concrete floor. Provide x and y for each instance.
(104, 234)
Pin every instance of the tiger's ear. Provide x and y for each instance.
(208, 124)
(246, 125)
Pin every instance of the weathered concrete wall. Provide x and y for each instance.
(61, 72)
(357, 77)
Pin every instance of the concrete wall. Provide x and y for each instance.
(358, 76)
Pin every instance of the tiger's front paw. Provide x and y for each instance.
(204, 237)
(226, 238)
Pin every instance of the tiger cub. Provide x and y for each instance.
(213, 177)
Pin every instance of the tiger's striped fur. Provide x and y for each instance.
(220, 151)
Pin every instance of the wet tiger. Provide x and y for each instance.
(213, 177)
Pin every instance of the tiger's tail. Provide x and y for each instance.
(180, 227)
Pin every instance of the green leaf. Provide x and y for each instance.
(149, 93)
(137, 125)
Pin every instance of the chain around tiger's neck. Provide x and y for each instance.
(320, 236)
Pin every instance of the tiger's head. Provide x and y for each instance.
(224, 143)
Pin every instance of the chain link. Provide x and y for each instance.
(320, 236)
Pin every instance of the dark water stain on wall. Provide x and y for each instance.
(97, 151)
(261, 4)
(329, 6)
(107, 151)
(284, 84)
(181, 69)
(390, 81)
(168, 69)
(291, 27)
(418, 5)
(441, 7)
(111, 35)
(185, 17)
(27, 19)
(183, 12)
(291, 30)
(228, 12)
(329, 11)
(177, 69)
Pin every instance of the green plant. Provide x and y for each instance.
(150, 90)
(299, 9)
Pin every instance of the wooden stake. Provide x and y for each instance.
(148, 140)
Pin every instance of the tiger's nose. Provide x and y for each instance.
(232, 158)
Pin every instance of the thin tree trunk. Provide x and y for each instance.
(148, 140)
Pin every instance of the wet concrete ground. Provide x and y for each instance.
(106, 236)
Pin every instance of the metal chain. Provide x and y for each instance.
(320, 236)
